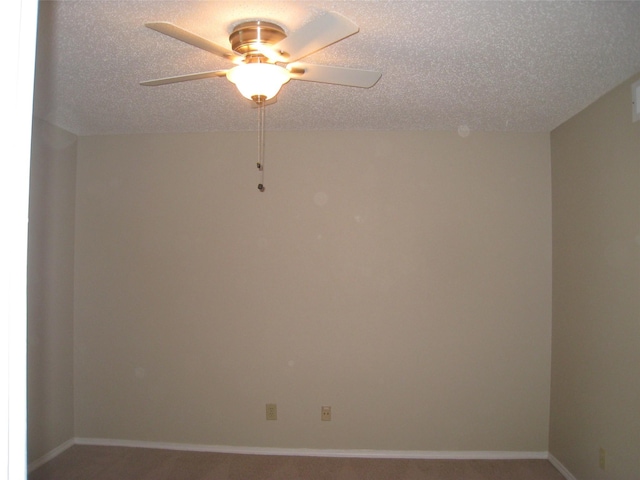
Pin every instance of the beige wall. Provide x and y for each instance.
(50, 289)
(402, 278)
(595, 393)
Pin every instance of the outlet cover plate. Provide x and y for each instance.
(602, 458)
(635, 94)
(325, 413)
(272, 411)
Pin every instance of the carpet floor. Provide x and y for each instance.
(83, 462)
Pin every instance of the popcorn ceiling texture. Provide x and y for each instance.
(518, 66)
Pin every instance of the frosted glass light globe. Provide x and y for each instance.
(256, 80)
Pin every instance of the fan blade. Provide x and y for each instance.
(184, 78)
(315, 35)
(351, 77)
(186, 36)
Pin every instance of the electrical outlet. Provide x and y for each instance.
(635, 96)
(272, 411)
(325, 413)
(602, 460)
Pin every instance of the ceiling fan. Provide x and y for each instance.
(266, 57)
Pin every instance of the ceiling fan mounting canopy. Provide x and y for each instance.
(251, 38)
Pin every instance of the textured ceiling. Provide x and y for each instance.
(516, 66)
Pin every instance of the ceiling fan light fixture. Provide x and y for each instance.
(258, 80)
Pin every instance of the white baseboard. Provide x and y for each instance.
(50, 455)
(306, 452)
(561, 468)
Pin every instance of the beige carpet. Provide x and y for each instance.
(82, 462)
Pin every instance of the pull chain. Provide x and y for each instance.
(261, 107)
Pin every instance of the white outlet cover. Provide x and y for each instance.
(635, 94)
(325, 413)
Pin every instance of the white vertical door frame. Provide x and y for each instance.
(17, 51)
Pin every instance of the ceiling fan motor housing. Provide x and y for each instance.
(247, 38)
